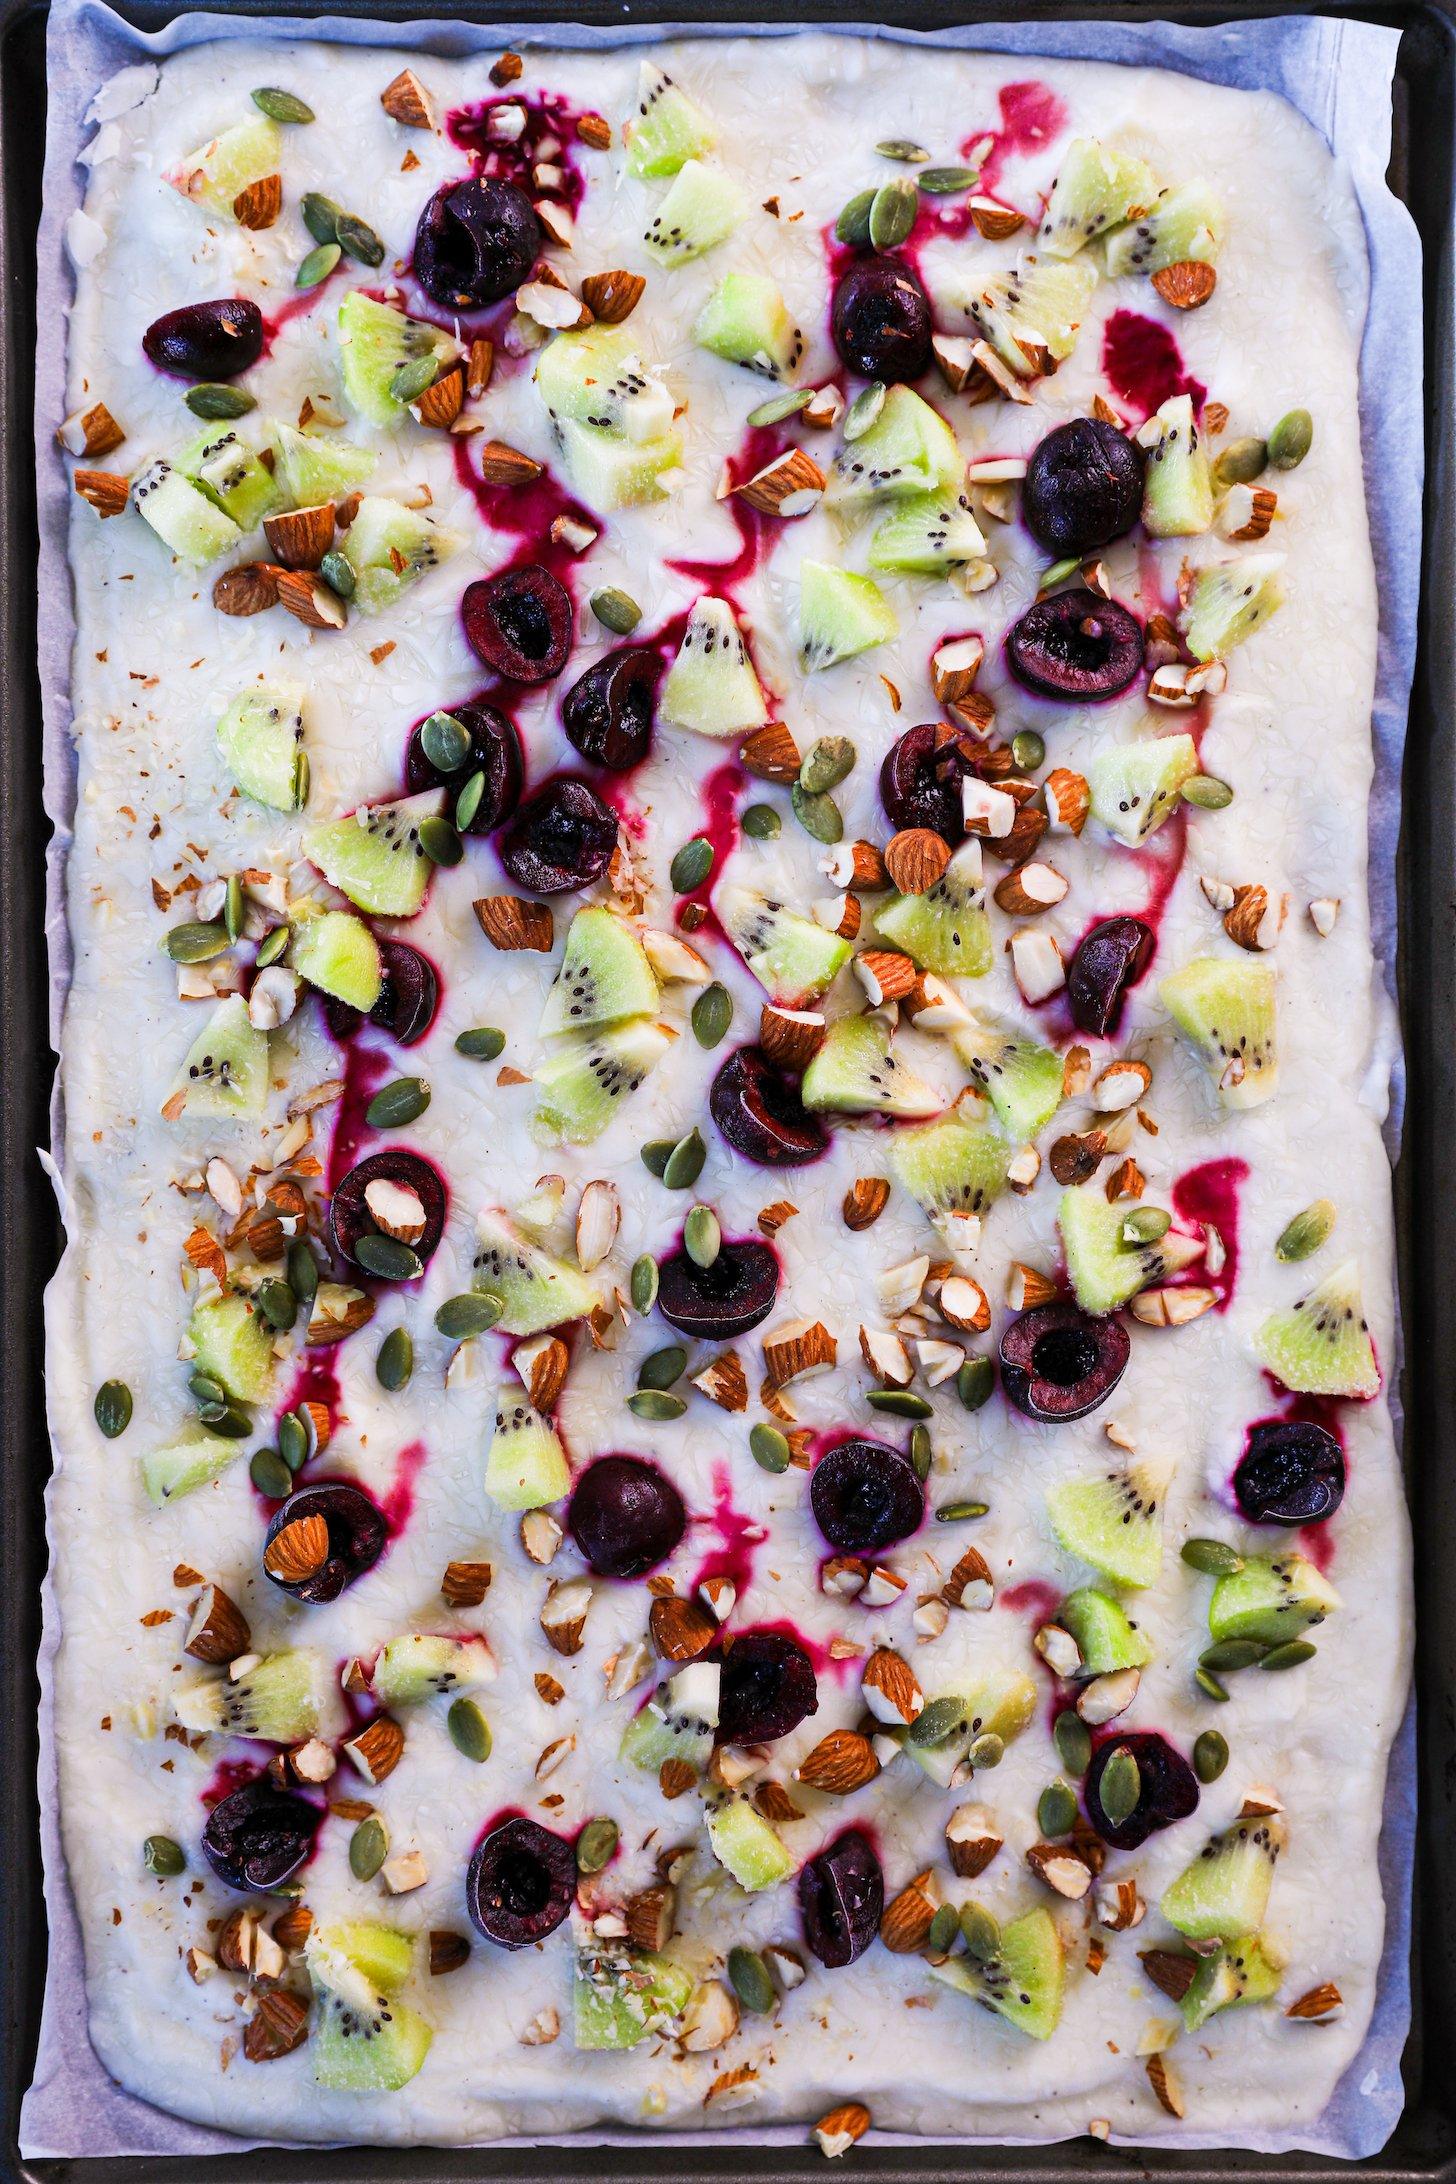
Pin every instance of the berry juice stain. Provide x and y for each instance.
(1208, 1197)
(719, 828)
(738, 1536)
(548, 139)
(229, 1775)
(1032, 117)
(526, 514)
(1033, 1598)
(398, 1504)
(297, 305)
(756, 539)
(1143, 364)
(365, 1069)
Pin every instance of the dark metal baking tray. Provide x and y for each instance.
(1423, 2149)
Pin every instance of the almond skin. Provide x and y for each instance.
(259, 205)
(302, 536)
(864, 1202)
(218, 1630)
(406, 101)
(840, 1763)
(915, 859)
(680, 1629)
(772, 754)
(300, 1549)
(377, 1749)
(612, 296)
(465, 1584)
(512, 923)
(1186, 285)
(502, 464)
(790, 1037)
(278, 2025)
(250, 588)
(906, 1920)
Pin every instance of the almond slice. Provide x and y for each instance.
(789, 486)
(92, 431)
(217, 1630)
(864, 1202)
(376, 1749)
(798, 1350)
(104, 490)
(406, 101)
(512, 923)
(259, 205)
(772, 754)
(1186, 285)
(502, 464)
(724, 1382)
(790, 1037)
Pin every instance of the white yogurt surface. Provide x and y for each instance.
(155, 666)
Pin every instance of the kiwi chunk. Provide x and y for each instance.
(1097, 188)
(1000, 1704)
(945, 930)
(1271, 1599)
(790, 955)
(619, 1996)
(596, 377)
(389, 547)
(841, 614)
(589, 1074)
(374, 856)
(382, 1953)
(746, 1844)
(928, 536)
(609, 473)
(1227, 603)
(280, 1700)
(746, 321)
(230, 474)
(525, 1464)
(194, 1459)
(1224, 1894)
(426, 1665)
(337, 953)
(374, 343)
(1105, 1269)
(225, 1072)
(701, 210)
(711, 686)
(536, 1289)
(1022, 1981)
(218, 172)
(1032, 314)
(1185, 223)
(909, 451)
(233, 1344)
(1242, 1971)
(1178, 484)
(182, 515)
(1322, 1346)
(604, 976)
(1225, 1008)
(854, 1073)
(313, 467)
(678, 1720)
(1135, 786)
(950, 1165)
(1113, 1520)
(1021, 1078)
(260, 737)
(1106, 1636)
(670, 128)
(364, 2039)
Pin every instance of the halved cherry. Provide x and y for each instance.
(257, 1835)
(1109, 958)
(1058, 1362)
(607, 713)
(407, 997)
(519, 623)
(521, 1883)
(561, 838)
(625, 1516)
(717, 1302)
(865, 1495)
(1075, 646)
(841, 1899)
(349, 1214)
(495, 752)
(761, 1115)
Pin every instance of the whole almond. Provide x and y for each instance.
(790, 1037)
(218, 1629)
(301, 536)
(501, 464)
(915, 859)
(1186, 285)
(840, 1763)
(377, 1749)
(250, 588)
(864, 1201)
(841, 2128)
(512, 923)
(406, 101)
(907, 1917)
(104, 490)
(278, 2025)
(298, 1551)
(259, 205)
(772, 754)
(891, 1690)
(681, 1629)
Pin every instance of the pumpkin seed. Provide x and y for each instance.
(196, 942)
(396, 1360)
(469, 1731)
(769, 1448)
(359, 239)
(827, 763)
(1057, 572)
(761, 823)
(474, 1312)
(277, 1303)
(388, 1259)
(1028, 749)
(712, 1014)
(1120, 1786)
(944, 1928)
(303, 1277)
(467, 803)
(445, 742)
(412, 378)
(207, 1390)
(1056, 1809)
(937, 1720)
(974, 1382)
(616, 610)
(684, 1163)
(274, 945)
(892, 214)
(440, 842)
(317, 266)
(234, 907)
(980, 1931)
(1292, 1654)
(368, 1847)
(160, 1855)
(691, 866)
(271, 1475)
(232, 1421)
(1145, 1224)
(337, 571)
(217, 404)
(113, 1407)
(656, 1154)
(642, 1283)
(863, 410)
(1230, 1654)
(1291, 440)
(819, 816)
(902, 148)
(853, 224)
(702, 1237)
(1206, 793)
(283, 106)
(1307, 1231)
(482, 1043)
(656, 1405)
(947, 181)
(1210, 1755)
(921, 1452)
(402, 1100)
(293, 1440)
(596, 1845)
(961, 1512)
(749, 1978)
(986, 1750)
(1073, 1740)
(899, 1402)
(780, 406)
(1241, 462)
(321, 216)
(1209, 1684)
(1214, 1557)
(663, 1367)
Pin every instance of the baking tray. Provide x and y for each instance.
(1423, 173)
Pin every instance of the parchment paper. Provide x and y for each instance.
(1338, 76)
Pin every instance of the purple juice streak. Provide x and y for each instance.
(1208, 1196)
(297, 306)
(1032, 117)
(1033, 1597)
(756, 537)
(365, 1069)
(398, 1504)
(1143, 364)
(738, 1536)
(547, 115)
(526, 514)
(232, 1774)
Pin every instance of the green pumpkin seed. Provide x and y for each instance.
(1073, 1740)
(208, 1390)
(892, 214)
(1145, 1224)
(853, 224)
(663, 1367)
(691, 866)
(656, 1154)
(980, 1931)
(482, 1043)
(293, 1440)
(317, 266)
(819, 816)
(596, 1845)
(986, 1750)
(402, 1100)
(113, 1407)
(440, 842)
(368, 1847)
(702, 1236)
(160, 1855)
(445, 742)
(780, 406)
(217, 404)
(684, 1163)
(396, 1360)
(196, 942)
(749, 1978)
(901, 148)
(1241, 462)
(656, 1405)
(1058, 571)
(303, 1277)
(283, 106)
(1056, 1809)
(277, 1303)
(1209, 1684)
(769, 1448)
(467, 803)
(414, 377)
(1214, 1557)
(642, 1283)
(863, 410)
(474, 1312)
(271, 1475)
(899, 1402)
(944, 1927)
(1291, 440)
(921, 1452)
(233, 1422)
(469, 1731)
(947, 181)
(1210, 1755)
(274, 946)
(387, 1259)
(974, 1382)
(321, 216)
(1120, 1786)
(337, 571)
(235, 908)
(1206, 793)
(1292, 1654)
(827, 763)
(1028, 749)
(712, 1014)
(616, 610)
(1228, 1655)
(937, 1720)
(358, 239)
(961, 1512)
(1307, 1231)
(761, 823)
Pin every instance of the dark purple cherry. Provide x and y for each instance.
(407, 997)
(519, 622)
(1291, 1472)
(768, 1688)
(717, 1302)
(1083, 487)
(761, 1115)
(257, 1835)
(607, 713)
(476, 241)
(521, 1883)
(349, 1215)
(1110, 957)
(625, 1516)
(920, 782)
(495, 751)
(1058, 1362)
(357, 1534)
(865, 1495)
(206, 340)
(562, 837)
(1168, 1788)
(1075, 646)
(881, 320)
(841, 1899)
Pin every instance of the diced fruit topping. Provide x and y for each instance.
(356, 1538)
(865, 1495)
(951, 1165)
(1245, 1971)
(908, 450)
(1185, 225)
(337, 953)
(415, 1191)
(678, 1721)
(1292, 1472)
(279, 1700)
(1114, 1521)
(218, 172)
(365, 2040)
(182, 515)
(746, 321)
(881, 320)
(1270, 1600)
(604, 976)
(1020, 1979)
(621, 1996)
(1166, 1784)
(562, 838)
(232, 1343)
(425, 1665)
(536, 1290)
(610, 473)
(375, 345)
(525, 1464)
(1105, 1267)
(579, 1085)
(701, 210)
(854, 1073)
(625, 1516)
(258, 1835)
(1083, 487)
(1021, 1078)
(598, 378)
(1224, 1894)
(1030, 316)
(670, 128)
(1225, 1007)
(519, 623)
(260, 737)
(476, 241)
(375, 856)
(210, 341)
(1058, 1363)
(840, 614)
(1096, 188)
(927, 536)
(219, 464)
(761, 1115)
(1135, 786)
(1075, 647)
(746, 1844)
(194, 1459)
(920, 781)
(727, 1298)
(790, 955)
(711, 686)
(1228, 603)
(768, 1687)
(842, 1899)
(1110, 957)
(226, 1069)
(945, 929)
(1106, 1637)
(312, 468)
(389, 547)
(482, 741)
(521, 1883)
(1178, 500)
(607, 714)
(406, 1001)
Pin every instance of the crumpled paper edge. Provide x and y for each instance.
(1337, 74)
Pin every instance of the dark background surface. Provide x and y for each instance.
(1423, 171)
